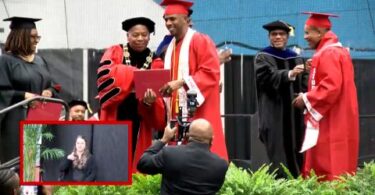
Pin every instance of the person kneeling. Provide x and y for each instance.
(186, 169)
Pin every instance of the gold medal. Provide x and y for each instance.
(127, 58)
(126, 54)
(149, 59)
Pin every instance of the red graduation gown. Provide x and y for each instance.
(332, 99)
(151, 116)
(204, 71)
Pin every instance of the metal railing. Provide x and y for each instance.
(38, 98)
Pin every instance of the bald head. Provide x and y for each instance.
(201, 130)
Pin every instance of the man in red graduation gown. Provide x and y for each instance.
(194, 64)
(115, 85)
(331, 104)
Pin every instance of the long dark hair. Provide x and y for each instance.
(81, 162)
(18, 42)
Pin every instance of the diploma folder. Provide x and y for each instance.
(44, 111)
(150, 79)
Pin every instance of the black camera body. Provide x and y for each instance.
(183, 122)
(192, 102)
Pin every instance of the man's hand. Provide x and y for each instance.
(308, 64)
(168, 134)
(171, 86)
(297, 70)
(298, 102)
(224, 56)
(149, 97)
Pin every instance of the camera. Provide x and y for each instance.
(183, 121)
(192, 102)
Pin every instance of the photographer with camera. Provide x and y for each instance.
(186, 169)
(183, 121)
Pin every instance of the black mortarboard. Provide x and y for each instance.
(278, 24)
(129, 23)
(78, 102)
(22, 22)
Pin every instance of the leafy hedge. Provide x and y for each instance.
(241, 182)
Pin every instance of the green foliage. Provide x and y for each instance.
(142, 184)
(91, 190)
(240, 181)
(363, 182)
(245, 182)
(145, 184)
(33, 133)
(52, 153)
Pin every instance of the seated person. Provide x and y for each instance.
(9, 182)
(77, 110)
(80, 164)
(186, 169)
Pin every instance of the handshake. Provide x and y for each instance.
(301, 68)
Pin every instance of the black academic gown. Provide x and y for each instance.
(281, 126)
(88, 171)
(16, 78)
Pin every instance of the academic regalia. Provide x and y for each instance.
(331, 102)
(195, 60)
(118, 100)
(331, 107)
(17, 77)
(199, 64)
(280, 125)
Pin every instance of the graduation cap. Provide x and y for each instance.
(21, 22)
(77, 102)
(129, 23)
(177, 7)
(319, 19)
(278, 25)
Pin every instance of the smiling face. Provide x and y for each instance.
(278, 38)
(77, 113)
(177, 24)
(34, 39)
(80, 145)
(312, 36)
(138, 37)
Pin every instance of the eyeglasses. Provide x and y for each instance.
(36, 37)
(274, 34)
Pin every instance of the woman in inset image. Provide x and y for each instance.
(80, 164)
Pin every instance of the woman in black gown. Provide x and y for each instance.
(23, 75)
(80, 164)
